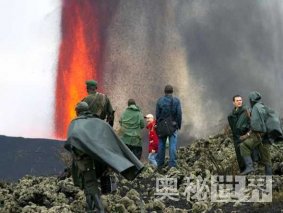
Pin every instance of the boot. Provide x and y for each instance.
(249, 165)
(268, 170)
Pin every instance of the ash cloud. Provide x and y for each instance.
(233, 47)
(208, 50)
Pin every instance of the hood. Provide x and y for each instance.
(134, 107)
(254, 96)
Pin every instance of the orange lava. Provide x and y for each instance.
(77, 60)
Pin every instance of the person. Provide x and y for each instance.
(168, 106)
(92, 141)
(99, 104)
(239, 122)
(132, 122)
(257, 137)
(153, 139)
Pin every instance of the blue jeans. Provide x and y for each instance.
(172, 151)
(152, 158)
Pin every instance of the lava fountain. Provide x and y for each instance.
(78, 56)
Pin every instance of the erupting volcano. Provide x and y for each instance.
(78, 59)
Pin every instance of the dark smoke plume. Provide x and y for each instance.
(208, 50)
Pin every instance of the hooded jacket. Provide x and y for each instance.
(132, 122)
(258, 113)
(95, 138)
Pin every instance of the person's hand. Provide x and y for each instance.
(244, 137)
(151, 141)
(153, 151)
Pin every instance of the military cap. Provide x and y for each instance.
(82, 106)
(91, 83)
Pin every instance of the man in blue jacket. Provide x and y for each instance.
(168, 106)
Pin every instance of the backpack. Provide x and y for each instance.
(273, 124)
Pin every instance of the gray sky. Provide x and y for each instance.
(29, 39)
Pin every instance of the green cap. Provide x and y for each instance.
(91, 83)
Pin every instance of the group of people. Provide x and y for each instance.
(251, 132)
(96, 149)
(132, 122)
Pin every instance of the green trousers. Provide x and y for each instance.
(239, 157)
(92, 193)
(252, 142)
(87, 175)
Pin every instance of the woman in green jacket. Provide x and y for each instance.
(132, 122)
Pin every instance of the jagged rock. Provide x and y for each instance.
(120, 208)
(158, 205)
(202, 158)
(200, 206)
(126, 201)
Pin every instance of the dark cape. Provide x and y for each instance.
(97, 139)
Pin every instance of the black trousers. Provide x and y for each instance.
(136, 150)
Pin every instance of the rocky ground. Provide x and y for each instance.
(201, 159)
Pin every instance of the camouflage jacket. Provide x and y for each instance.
(99, 105)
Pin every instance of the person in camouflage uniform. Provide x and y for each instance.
(99, 104)
(257, 137)
(93, 142)
(239, 121)
(84, 173)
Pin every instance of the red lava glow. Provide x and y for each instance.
(78, 59)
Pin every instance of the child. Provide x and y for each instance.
(153, 139)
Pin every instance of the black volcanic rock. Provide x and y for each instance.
(29, 156)
(203, 157)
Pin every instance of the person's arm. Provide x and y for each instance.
(142, 124)
(120, 120)
(109, 112)
(179, 114)
(230, 121)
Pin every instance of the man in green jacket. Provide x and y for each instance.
(132, 122)
(257, 137)
(239, 122)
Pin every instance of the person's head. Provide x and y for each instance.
(168, 89)
(81, 108)
(254, 97)
(91, 85)
(237, 101)
(149, 118)
(131, 102)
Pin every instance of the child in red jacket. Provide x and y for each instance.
(153, 139)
